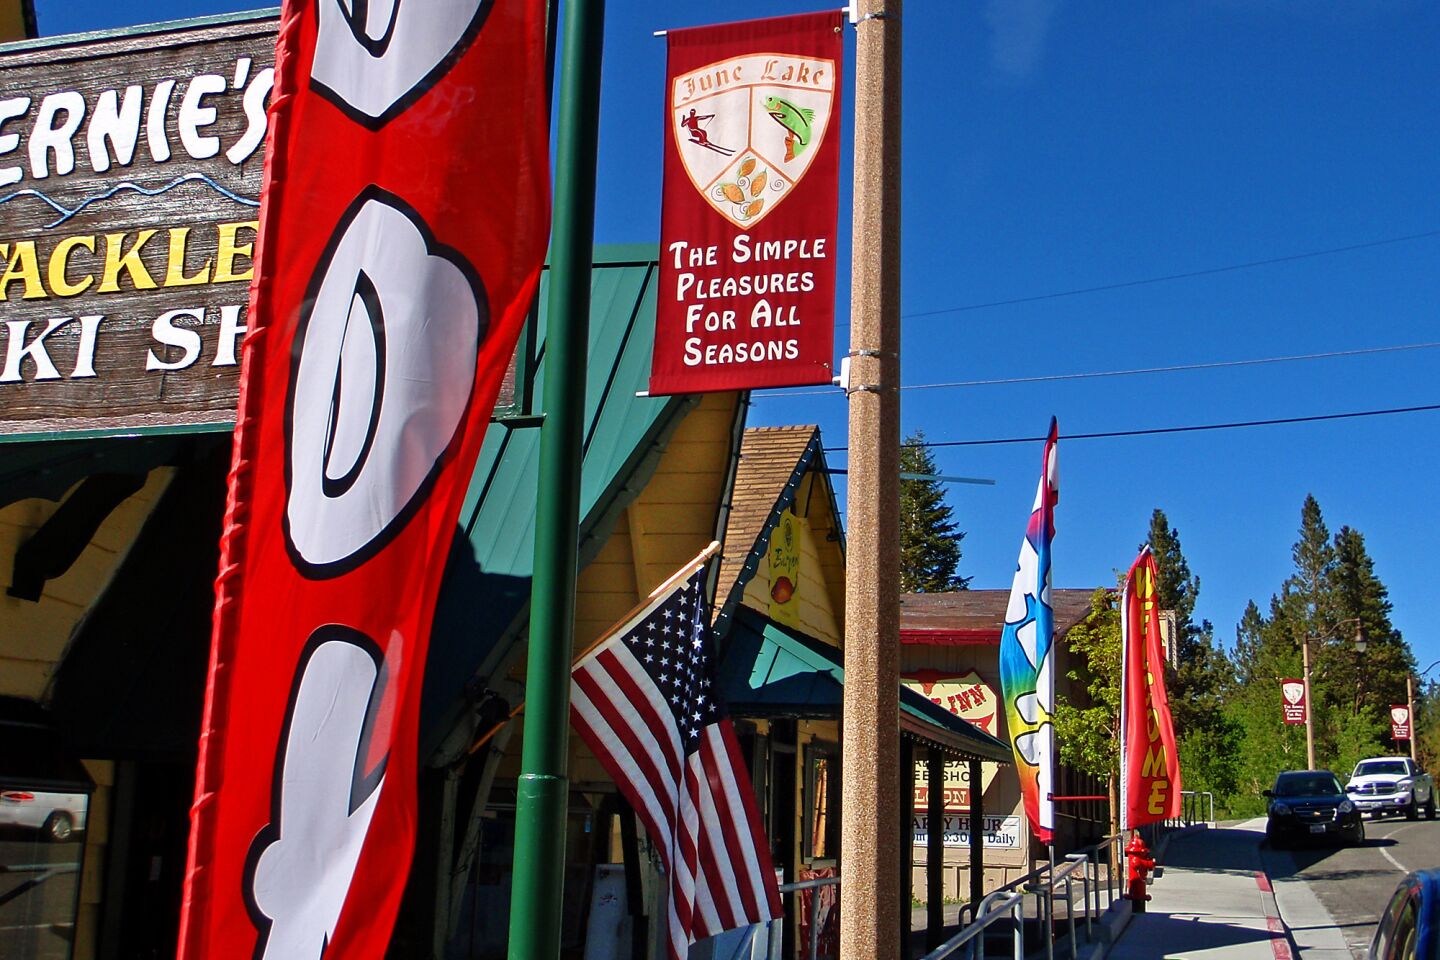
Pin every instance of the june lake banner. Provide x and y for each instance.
(130, 169)
(1292, 700)
(393, 275)
(1400, 722)
(1149, 764)
(747, 226)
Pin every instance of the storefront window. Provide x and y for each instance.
(43, 816)
(822, 808)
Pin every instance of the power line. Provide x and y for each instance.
(1228, 268)
(1154, 431)
(1050, 378)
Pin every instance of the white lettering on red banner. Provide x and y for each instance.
(747, 235)
(383, 317)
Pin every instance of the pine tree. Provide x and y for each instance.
(1372, 680)
(929, 539)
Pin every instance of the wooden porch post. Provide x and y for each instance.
(935, 853)
(977, 834)
(907, 840)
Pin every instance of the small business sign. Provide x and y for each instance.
(1001, 833)
(1400, 722)
(971, 698)
(1292, 700)
(750, 198)
(129, 193)
(784, 556)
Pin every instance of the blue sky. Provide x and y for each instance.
(1051, 146)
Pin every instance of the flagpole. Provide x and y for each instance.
(634, 612)
(543, 788)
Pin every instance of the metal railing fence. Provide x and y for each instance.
(1043, 884)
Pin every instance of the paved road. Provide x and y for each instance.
(1353, 884)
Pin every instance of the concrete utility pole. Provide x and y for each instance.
(869, 894)
(1309, 705)
(1410, 709)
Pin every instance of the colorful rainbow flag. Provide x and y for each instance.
(1027, 663)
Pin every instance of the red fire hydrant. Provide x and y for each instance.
(1138, 864)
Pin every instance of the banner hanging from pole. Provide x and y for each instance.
(748, 216)
(1400, 722)
(1027, 653)
(403, 226)
(1149, 764)
(1293, 702)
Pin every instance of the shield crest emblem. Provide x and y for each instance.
(1400, 715)
(747, 129)
(1294, 692)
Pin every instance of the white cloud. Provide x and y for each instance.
(1019, 29)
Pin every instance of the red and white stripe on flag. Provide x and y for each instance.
(646, 702)
(403, 226)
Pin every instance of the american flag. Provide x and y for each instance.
(647, 704)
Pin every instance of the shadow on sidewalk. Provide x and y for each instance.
(1159, 935)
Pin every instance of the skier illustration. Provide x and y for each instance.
(692, 122)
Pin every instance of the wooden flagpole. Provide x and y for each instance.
(634, 612)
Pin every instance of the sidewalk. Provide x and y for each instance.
(1213, 901)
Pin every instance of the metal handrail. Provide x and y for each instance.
(1008, 900)
(796, 887)
(1043, 881)
(1014, 903)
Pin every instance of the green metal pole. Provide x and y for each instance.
(543, 789)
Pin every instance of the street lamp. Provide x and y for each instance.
(1310, 700)
(1410, 702)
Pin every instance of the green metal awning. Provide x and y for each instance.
(482, 610)
(769, 670)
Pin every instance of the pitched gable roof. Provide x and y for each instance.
(773, 462)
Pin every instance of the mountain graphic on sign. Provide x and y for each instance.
(67, 213)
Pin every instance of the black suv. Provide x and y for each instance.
(1306, 804)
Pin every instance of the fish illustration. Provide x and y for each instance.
(796, 121)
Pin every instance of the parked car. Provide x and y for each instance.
(56, 815)
(1309, 804)
(1383, 785)
(1409, 928)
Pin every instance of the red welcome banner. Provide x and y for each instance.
(1400, 722)
(747, 225)
(403, 226)
(1150, 767)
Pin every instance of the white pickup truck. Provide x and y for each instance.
(1383, 785)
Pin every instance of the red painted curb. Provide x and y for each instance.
(1279, 937)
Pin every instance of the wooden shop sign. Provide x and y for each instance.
(130, 171)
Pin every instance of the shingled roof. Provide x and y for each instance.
(773, 461)
(976, 616)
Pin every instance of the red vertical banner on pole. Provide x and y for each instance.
(751, 188)
(403, 226)
(1150, 766)
(1293, 702)
(1400, 722)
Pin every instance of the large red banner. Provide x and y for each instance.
(1400, 721)
(1150, 768)
(403, 226)
(747, 226)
